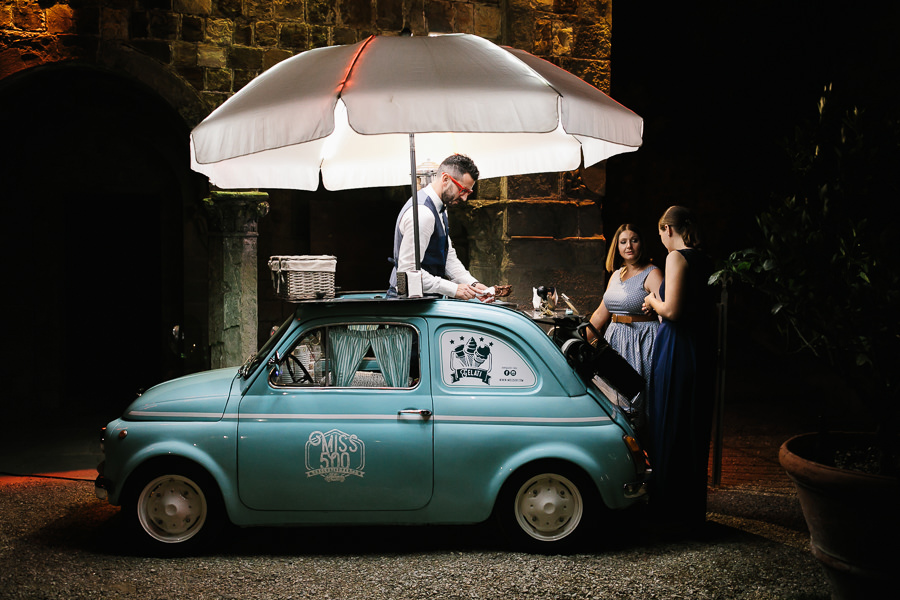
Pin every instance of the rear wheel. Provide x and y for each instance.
(546, 508)
(174, 508)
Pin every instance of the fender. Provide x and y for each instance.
(213, 457)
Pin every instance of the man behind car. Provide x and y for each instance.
(442, 271)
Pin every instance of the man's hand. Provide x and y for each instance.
(480, 292)
(464, 291)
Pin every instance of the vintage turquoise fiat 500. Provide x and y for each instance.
(366, 410)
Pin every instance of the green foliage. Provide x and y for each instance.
(826, 255)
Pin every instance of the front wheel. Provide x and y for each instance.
(546, 509)
(175, 507)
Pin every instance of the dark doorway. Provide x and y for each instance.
(96, 184)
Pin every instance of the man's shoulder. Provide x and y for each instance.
(427, 215)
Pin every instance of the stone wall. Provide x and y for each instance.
(536, 230)
(217, 46)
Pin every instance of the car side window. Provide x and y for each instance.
(476, 358)
(360, 355)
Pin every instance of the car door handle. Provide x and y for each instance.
(422, 412)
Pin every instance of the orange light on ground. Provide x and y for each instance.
(84, 475)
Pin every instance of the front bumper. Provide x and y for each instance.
(102, 486)
(635, 489)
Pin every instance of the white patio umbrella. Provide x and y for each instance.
(358, 115)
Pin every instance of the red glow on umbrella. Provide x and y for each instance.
(344, 80)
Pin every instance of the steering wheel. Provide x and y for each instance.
(294, 379)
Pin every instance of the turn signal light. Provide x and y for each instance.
(641, 461)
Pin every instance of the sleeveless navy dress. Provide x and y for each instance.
(681, 400)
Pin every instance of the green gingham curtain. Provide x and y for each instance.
(392, 347)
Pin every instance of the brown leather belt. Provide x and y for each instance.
(631, 318)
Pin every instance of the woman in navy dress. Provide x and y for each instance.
(683, 376)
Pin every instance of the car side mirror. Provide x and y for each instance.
(275, 365)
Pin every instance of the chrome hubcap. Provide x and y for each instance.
(172, 508)
(548, 507)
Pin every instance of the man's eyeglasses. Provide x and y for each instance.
(463, 190)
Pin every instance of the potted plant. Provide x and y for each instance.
(825, 261)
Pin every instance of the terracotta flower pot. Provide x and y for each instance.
(853, 517)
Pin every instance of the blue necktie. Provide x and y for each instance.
(444, 219)
(446, 227)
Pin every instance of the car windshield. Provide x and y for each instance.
(253, 361)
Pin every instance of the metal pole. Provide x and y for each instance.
(415, 194)
(719, 410)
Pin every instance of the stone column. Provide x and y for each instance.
(233, 218)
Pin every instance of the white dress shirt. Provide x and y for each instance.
(454, 270)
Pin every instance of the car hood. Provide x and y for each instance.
(198, 397)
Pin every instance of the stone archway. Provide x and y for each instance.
(97, 190)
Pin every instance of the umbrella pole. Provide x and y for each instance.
(415, 194)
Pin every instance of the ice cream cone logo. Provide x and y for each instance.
(460, 353)
(482, 353)
(471, 358)
(475, 358)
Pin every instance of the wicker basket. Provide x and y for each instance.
(303, 277)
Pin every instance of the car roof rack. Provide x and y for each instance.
(341, 297)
